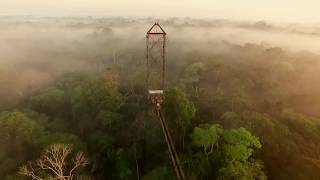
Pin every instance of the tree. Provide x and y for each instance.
(95, 105)
(17, 127)
(55, 163)
(225, 154)
(243, 171)
(192, 77)
(207, 137)
(160, 173)
(20, 139)
(179, 110)
(237, 152)
(239, 144)
(51, 101)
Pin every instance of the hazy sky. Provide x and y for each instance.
(276, 10)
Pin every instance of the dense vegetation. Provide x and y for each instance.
(240, 112)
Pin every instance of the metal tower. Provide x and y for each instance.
(156, 62)
(156, 69)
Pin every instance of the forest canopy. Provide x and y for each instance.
(237, 108)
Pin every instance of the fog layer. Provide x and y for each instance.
(36, 50)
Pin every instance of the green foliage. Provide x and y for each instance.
(50, 101)
(308, 127)
(239, 98)
(20, 136)
(230, 155)
(243, 171)
(192, 77)
(239, 144)
(179, 111)
(178, 107)
(206, 137)
(122, 165)
(108, 118)
(62, 138)
(160, 173)
(17, 127)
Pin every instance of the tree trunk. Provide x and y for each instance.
(137, 164)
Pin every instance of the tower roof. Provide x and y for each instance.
(156, 29)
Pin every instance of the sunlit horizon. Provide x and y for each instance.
(271, 10)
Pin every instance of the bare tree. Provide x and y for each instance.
(54, 164)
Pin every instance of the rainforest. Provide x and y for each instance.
(241, 100)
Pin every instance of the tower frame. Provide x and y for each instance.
(156, 61)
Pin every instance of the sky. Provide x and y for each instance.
(270, 10)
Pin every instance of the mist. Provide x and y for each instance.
(34, 51)
(81, 81)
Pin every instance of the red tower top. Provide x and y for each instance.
(156, 29)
